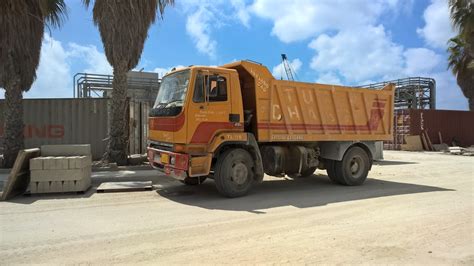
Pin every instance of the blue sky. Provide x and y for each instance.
(351, 42)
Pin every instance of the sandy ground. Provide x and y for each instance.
(415, 208)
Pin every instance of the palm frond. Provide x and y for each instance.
(54, 12)
(162, 5)
(86, 3)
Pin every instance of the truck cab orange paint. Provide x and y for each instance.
(240, 110)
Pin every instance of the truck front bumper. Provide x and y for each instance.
(170, 163)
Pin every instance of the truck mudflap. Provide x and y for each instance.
(170, 163)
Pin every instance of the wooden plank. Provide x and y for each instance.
(124, 186)
(19, 178)
(428, 139)
(413, 143)
(440, 137)
(424, 142)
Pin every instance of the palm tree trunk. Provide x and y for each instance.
(13, 114)
(118, 142)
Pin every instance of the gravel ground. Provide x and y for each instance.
(414, 208)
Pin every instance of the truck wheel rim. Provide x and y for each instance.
(239, 173)
(356, 166)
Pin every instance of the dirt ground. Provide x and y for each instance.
(414, 208)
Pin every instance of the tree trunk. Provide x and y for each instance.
(118, 142)
(471, 104)
(13, 114)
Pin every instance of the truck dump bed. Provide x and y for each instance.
(297, 111)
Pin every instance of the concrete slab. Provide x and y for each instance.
(124, 186)
(66, 150)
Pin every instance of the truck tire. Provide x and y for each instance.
(193, 181)
(307, 173)
(234, 174)
(331, 171)
(354, 167)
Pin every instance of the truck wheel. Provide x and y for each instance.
(354, 167)
(193, 181)
(234, 175)
(331, 171)
(309, 172)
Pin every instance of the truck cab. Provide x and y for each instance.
(224, 123)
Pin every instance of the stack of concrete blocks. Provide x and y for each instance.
(61, 168)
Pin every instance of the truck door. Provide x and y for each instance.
(210, 107)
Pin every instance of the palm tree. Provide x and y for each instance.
(123, 26)
(461, 47)
(462, 17)
(459, 60)
(22, 26)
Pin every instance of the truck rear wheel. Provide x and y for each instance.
(331, 171)
(234, 174)
(354, 167)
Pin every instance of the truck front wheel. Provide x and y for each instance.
(234, 173)
(354, 167)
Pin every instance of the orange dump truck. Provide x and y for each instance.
(235, 122)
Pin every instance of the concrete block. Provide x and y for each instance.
(69, 186)
(77, 162)
(72, 160)
(82, 185)
(55, 163)
(43, 187)
(56, 186)
(33, 187)
(36, 163)
(60, 175)
(66, 150)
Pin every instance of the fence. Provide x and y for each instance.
(78, 121)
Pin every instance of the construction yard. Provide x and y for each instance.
(415, 207)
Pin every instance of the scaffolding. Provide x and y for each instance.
(411, 93)
(142, 86)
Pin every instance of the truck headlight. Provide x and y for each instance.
(173, 160)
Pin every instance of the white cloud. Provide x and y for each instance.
(296, 20)
(279, 71)
(448, 94)
(55, 71)
(204, 16)
(164, 70)
(420, 60)
(242, 11)
(198, 26)
(329, 78)
(357, 54)
(96, 61)
(437, 30)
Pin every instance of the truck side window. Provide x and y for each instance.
(218, 89)
(198, 96)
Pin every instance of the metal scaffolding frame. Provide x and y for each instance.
(87, 85)
(411, 93)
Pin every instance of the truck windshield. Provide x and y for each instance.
(173, 90)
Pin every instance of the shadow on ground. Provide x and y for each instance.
(301, 193)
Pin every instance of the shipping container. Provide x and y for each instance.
(456, 128)
(78, 121)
